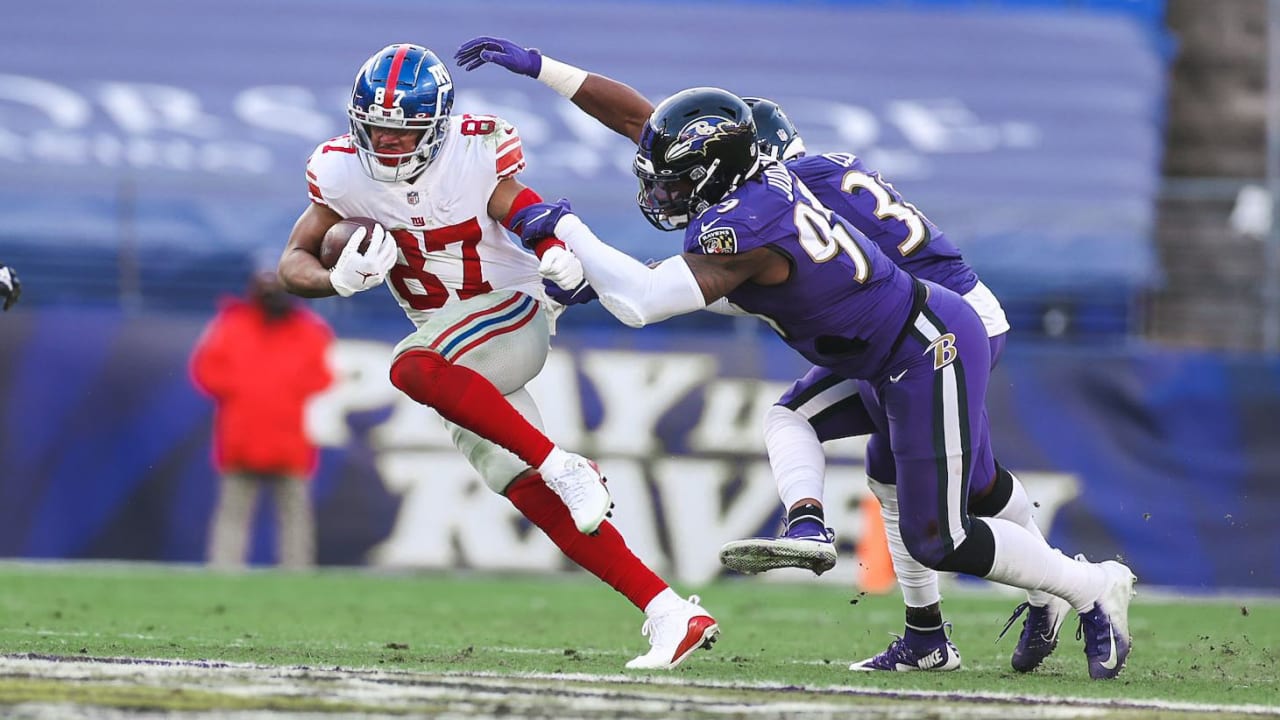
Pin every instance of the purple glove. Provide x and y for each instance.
(481, 50)
(538, 221)
(584, 293)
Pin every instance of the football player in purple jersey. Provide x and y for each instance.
(688, 172)
(822, 406)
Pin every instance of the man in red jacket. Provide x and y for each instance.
(261, 358)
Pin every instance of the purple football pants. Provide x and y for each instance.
(926, 414)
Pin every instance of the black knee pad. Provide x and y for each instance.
(995, 500)
(975, 555)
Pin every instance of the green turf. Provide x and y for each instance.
(1209, 652)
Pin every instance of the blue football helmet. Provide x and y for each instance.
(403, 87)
(776, 134)
(697, 146)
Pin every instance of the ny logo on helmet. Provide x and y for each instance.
(694, 137)
(440, 74)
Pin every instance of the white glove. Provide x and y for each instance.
(356, 271)
(561, 267)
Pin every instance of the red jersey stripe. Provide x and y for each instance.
(509, 160)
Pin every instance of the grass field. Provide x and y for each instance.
(360, 643)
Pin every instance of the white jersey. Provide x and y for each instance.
(449, 247)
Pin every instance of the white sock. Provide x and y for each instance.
(795, 455)
(919, 583)
(1023, 562)
(1018, 510)
(665, 601)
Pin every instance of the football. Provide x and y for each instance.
(336, 238)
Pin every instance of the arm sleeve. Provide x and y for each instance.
(724, 307)
(635, 294)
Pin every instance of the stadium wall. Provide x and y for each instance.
(1030, 130)
(1166, 458)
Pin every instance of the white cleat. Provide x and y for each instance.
(674, 635)
(581, 487)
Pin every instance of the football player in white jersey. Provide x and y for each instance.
(442, 189)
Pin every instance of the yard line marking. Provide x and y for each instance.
(106, 667)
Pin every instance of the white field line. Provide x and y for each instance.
(480, 696)
(269, 677)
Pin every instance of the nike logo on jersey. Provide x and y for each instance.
(896, 378)
(1110, 662)
(708, 225)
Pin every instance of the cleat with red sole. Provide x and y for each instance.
(674, 635)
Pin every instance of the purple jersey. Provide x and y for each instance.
(845, 303)
(858, 194)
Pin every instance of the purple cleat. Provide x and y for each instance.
(1039, 632)
(805, 544)
(1105, 628)
(932, 653)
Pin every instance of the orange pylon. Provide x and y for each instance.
(875, 566)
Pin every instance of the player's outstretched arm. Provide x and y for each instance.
(631, 291)
(616, 105)
(719, 275)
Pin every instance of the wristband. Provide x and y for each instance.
(564, 79)
(541, 247)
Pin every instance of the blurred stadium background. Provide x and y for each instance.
(1109, 167)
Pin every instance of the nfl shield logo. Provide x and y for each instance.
(412, 197)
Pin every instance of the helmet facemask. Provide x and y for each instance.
(393, 167)
(670, 201)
